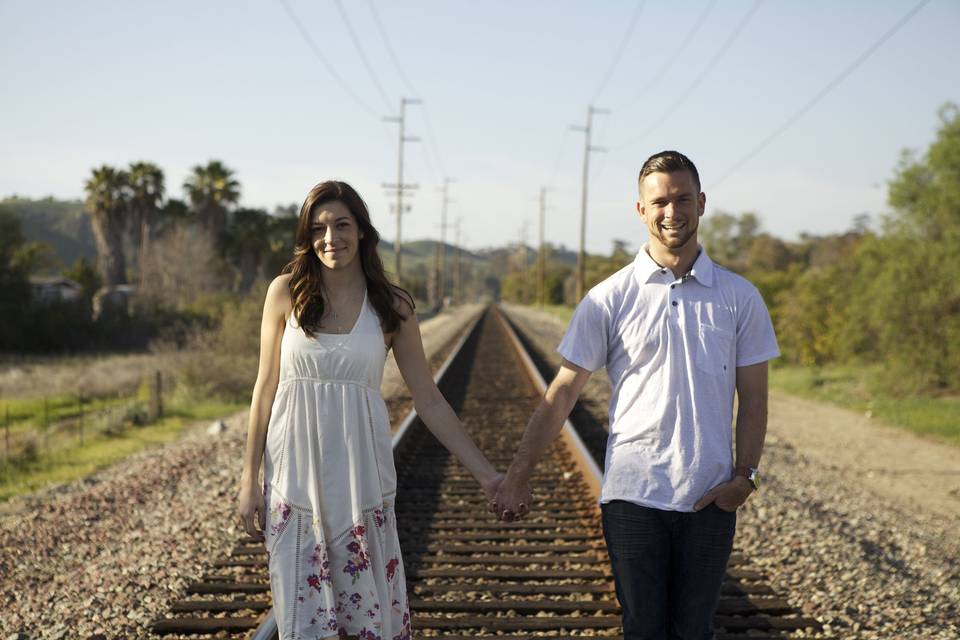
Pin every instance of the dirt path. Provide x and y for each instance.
(918, 473)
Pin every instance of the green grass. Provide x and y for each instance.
(857, 388)
(31, 413)
(559, 310)
(102, 449)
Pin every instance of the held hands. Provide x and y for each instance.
(251, 507)
(729, 496)
(491, 484)
(512, 500)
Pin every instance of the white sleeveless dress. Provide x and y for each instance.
(330, 483)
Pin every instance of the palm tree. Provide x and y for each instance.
(107, 195)
(146, 195)
(211, 189)
(247, 243)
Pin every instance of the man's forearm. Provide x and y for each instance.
(544, 427)
(751, 431)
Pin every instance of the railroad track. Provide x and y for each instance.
(470, 576)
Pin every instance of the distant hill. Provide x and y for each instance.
(62, 224)
(65, 227)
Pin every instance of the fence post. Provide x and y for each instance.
(80, 422)
(157, 408)
(46, 426)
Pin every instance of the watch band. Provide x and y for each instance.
(752, 474)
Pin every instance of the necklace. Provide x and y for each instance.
(336, 315)
(336, 318)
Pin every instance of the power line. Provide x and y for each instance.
(556, 162)
(676, 54)
(620, 49)
(431, 137)
(401, 186)
(587, 148)
(687, 92)
(390, 52)
(432, 141)
(326, 63)
(363, 56)
(830, 86)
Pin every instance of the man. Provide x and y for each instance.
(678, 336)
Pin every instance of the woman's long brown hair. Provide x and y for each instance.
(306, 282)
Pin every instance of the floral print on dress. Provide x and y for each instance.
(405, 630)
(321, 561)
(329, 618)
(281, 513)
(392, 568)
(333, 604)
(359, 555)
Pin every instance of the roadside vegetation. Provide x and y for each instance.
(160, 332)
(868, 319)
(74, 424)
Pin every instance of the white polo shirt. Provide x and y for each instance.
(671, 347)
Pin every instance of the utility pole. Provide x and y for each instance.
(525, 258)
(542, 253)
(401, 186)
(456, 273)
(443, 238)
(587, 148)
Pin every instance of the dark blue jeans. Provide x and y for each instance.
(668, 568)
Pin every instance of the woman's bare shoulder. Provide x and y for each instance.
(402, 302)
(278, 294)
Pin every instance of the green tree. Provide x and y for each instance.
(911, 295)
(211, 190)
(107, 196)
(248, 241)
(14, 286)
(146, 195)
(86, 275)
(282, 227)
(727, 238)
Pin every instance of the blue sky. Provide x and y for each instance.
(179, 83)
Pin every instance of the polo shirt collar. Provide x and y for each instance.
(646, 267)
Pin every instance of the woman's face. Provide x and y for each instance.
(335, 235)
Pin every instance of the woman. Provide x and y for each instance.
(321, 427)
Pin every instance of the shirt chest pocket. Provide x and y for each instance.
(714, 348)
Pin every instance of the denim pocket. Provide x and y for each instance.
(630, 530)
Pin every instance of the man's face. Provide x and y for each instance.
(671, 205)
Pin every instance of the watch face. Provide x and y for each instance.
(754, 478)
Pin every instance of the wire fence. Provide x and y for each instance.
(57, 424)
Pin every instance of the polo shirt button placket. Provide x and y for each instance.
(673, 301)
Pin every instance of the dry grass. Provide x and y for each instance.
(36, 377)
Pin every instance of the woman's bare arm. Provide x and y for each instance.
(276, 308)
(433, 408)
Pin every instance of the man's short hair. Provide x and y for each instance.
(668, 162)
